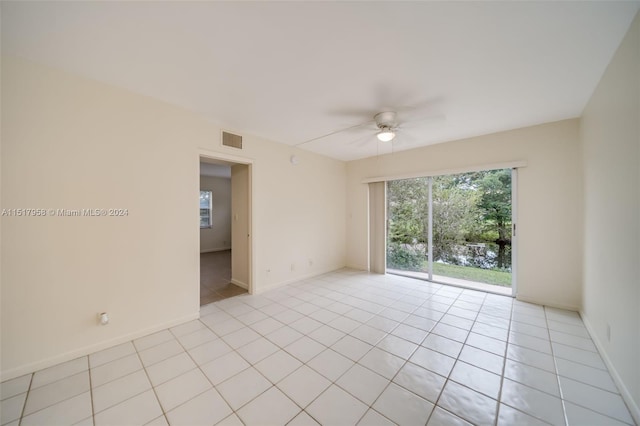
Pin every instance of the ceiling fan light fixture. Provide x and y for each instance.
(386, 135)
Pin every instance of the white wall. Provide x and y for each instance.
(218, 237)
(549, 201)
(611, 152)
(72, 143)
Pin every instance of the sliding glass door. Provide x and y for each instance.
(454, 229)
(407, 225)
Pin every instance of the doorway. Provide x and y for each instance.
(225, 238)
(453, 229)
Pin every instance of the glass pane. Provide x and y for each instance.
(472, 227)
(205, 199)
(205, 209)
(407, 220)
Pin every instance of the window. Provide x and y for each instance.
(205, 209)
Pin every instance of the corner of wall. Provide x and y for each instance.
(633, 407)
(610, 165)
(86, 350)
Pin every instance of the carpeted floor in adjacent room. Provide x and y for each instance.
(215, 277)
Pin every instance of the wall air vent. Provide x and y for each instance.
(229, 139)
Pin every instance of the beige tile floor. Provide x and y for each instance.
(341, 349)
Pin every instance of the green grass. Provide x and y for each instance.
(487, 276)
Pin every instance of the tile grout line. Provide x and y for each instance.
(557, 372)
(199, 367)
(378, 296)
(24, 406)
(457, 358)
(137, 351)
(334, 382)
(562, 398)
(93, 411)
(144, 368)
(39, 387)
(448, 378)
(504, 362)
(88, 371)
(252, 365)
(475, 321)
(370, 406)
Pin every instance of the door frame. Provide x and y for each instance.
(204, 154)
(514, 232)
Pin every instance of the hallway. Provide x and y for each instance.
(215, 277)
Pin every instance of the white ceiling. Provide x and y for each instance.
(293, 71)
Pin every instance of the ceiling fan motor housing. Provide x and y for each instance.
(385, 120)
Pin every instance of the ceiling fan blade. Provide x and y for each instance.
(437, 118)
(434, 103)
(360, 142)
(354, 127)
(403, 140)
(352, 112)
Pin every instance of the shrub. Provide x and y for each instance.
(403, 256)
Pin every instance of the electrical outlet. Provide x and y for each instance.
(293, 267)
(103, 318)
(310, 262)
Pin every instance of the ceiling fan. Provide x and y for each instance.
(386, 122)
(387, 127)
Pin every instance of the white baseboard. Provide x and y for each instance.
(214, 249)
(68, 356)
(358, 267)
(624, 391)
(240, 283)
(296, 279)
(549, 303)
